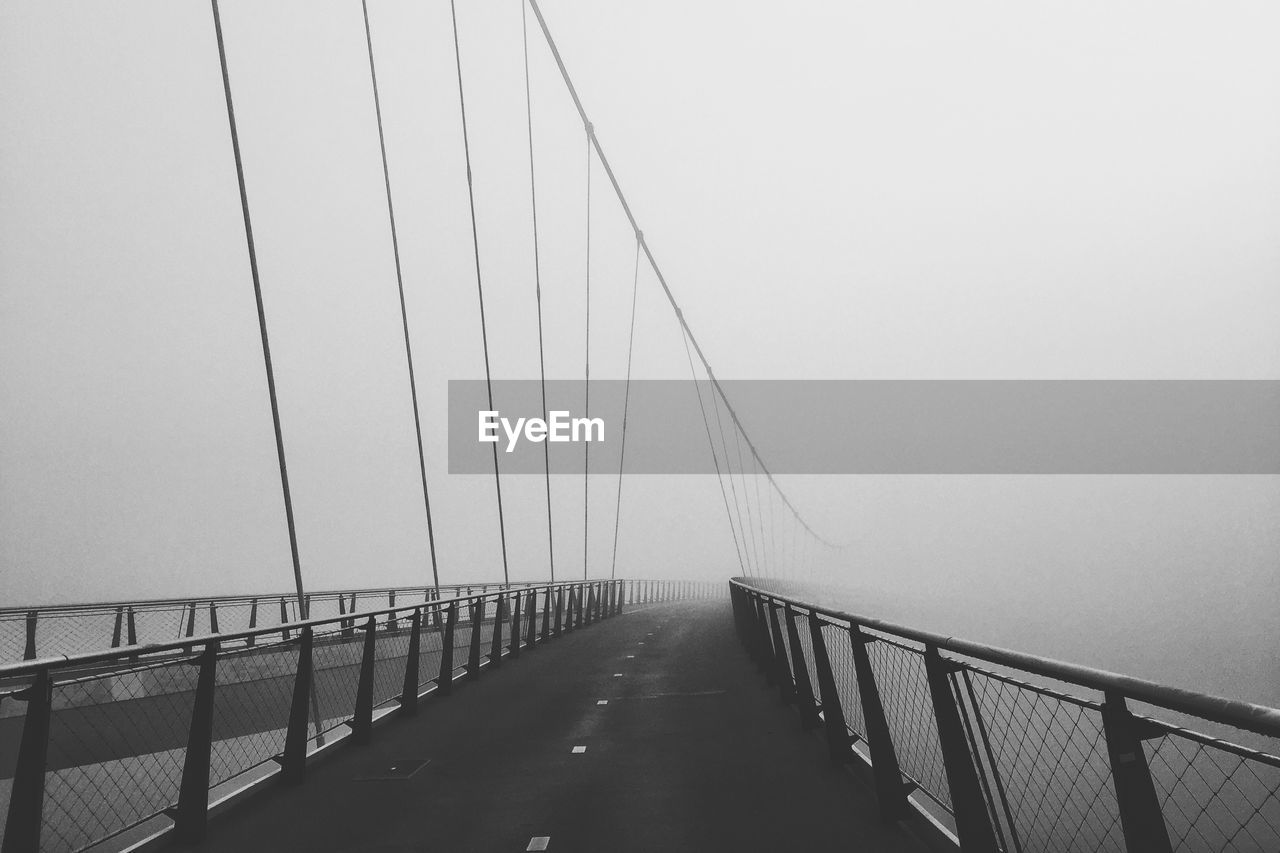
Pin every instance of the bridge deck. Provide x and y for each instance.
(692, 752)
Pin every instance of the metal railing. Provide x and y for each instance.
(994, 750)
(129, 743)
(29, 632)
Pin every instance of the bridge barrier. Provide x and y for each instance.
(111, 748)
(34, 631)
(993, 750)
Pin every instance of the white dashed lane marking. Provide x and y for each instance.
(602, 701)
(538, 842)
(578, 750)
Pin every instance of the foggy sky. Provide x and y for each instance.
(856, 190)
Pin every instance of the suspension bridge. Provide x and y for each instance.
(585, 710)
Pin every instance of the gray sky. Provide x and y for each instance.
(853, 190)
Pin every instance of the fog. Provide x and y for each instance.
(858, 190)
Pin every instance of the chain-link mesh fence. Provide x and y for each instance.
(1039, 748)
(40, 632)
(120, 723)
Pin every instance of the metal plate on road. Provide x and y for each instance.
(395, 771)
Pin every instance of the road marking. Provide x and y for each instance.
(578, 750)
(602, 701)
(693, 693)
(629, 657)
(641, 643)
(538, 842)
(617, 675)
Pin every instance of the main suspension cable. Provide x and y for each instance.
(404, 314)
(475, 244)
(715, 407)
(666, 289)
(262, 315)
(537, 284)
(744, 566)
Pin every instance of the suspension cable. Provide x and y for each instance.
(626, 405)
(666, 289)
(475, 244)
(715, 407)
(404, 314)
(262, 315)
(586, 388)
(537, 284)
(744, 566)
(746, 499)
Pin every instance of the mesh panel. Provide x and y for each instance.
(335, 658)
(1215, 796)
(806, 646)
(843, 673)
(116, 747)
(904, 692)
(251, 708)
(1051, 758)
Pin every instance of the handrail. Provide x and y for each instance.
(69, 704)
(1258, 719)
(981, 760)
(20, 610)
(131, 653)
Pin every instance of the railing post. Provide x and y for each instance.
(764, 642)
(1140, 814)
(192, 812)
(253, 621)
(362, 719)
(213, 618)
(118, 629)
(444, 682)
(409, 692)
(345, 629)
(833, 722)
(591, 604)
(973, 821)
(735, 602)
(294, 761)
(515, 626)
(579, 601)
(26, 799)
(393, 624)
(191, 625)
(781, 669)
(891, 792)
(477, 620)
(500, 614)
(804, 686)
(559, 611)
(29, 653)
(284, 619)
(546, 616)
(532, 618)
(131, 623)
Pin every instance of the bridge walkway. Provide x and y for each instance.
(692, 752)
